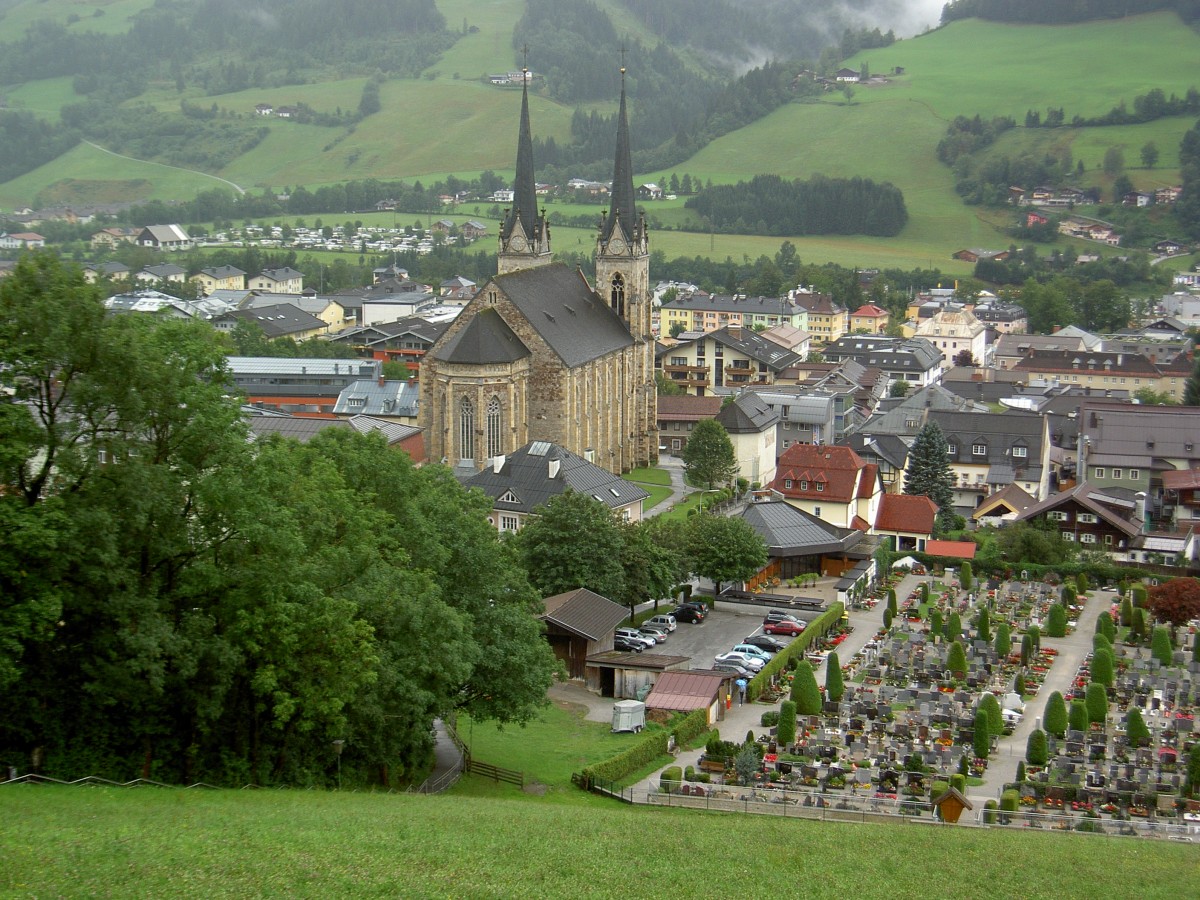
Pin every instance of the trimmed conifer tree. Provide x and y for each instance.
(1160, 645)
(1035, 635)
(785, 732)
(1026, 649)
(990, 705)
(1055, 716)
(1077, 715)
(935, 622)
(1036, 749)
(805, 691)
(1003, 641)
(1135, 727)
(1019, 684)
(1056, 621)
(834, 686)
(966, 576)
(1126, 611)
(983, 735)
(983, 625)
(956, 660)
(1095, 698)
(954, 627)
(1138, 593)
(1102, 666)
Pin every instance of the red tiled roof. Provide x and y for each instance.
(910, 513)
(866, 484)
(869, 309)
(959, 549)
(834, 468)
(1183, 479)
(860, 524)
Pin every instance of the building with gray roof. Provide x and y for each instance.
(914, 360)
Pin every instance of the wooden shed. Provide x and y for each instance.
(579, 624)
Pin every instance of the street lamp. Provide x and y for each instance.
(707, 491)
(337, 749)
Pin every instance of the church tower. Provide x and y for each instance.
(524, 234)
(623, 280)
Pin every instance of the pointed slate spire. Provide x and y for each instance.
(624, 205)
(524, 207)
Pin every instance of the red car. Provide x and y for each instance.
(783, 627)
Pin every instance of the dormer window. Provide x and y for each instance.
(1020, 452)
(951, 449)
(820, 486)
(979, 449)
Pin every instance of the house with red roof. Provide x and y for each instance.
(678, 415)
(907, 519)
(870, 318)
(832, 483)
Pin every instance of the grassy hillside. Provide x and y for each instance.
(157, 843)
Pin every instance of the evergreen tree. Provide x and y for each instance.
(1019, 684)
(1026, 649)
(1095, 699)
(929, 474)
(1137, 627)
(990, 705)
(1191, 390)
(1106, 626)
(1056, 621)
(1126, 611)
(935, 621)
(805, 691)
(956, 660)
(983, 627)
(1003, 641)
(1160, 645)
(966, 576)
(834, 685)
(954, 627)
(785, 732)
(1102, 667)
(1135, 728)
(1056, 715)
(1036, 751)
(1077, 715)
(1035, 635)
(983, 735)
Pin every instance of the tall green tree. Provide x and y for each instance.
(928, 472)
(805, 691)
(834, 685)
(551, 545)
(725, 549)
(1056, 715)
(709, 457)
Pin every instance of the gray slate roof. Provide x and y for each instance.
(584, 612)
(278, 320)
(526, 475)
(916, 354)
(748, 414)
(486, 339)
(300, 428)
(789, 531)
(370, 398)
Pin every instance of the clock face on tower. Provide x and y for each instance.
(517, 243)
(616, 245)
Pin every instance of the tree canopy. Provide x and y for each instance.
(929, 472)
(725, 549)
(708, 456)
(1176, 601)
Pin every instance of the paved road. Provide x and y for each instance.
(679, 489)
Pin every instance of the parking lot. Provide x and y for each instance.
(725, 626)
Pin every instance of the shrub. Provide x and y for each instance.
(1139, 595)
(1020, 771)
(1035, 635)
(1026, 649)
(1077, 715)
(805, 691)
(689, 773)
(1137, 627)
(1019, 684)
(795, 649)
(670, 778)
(935, 622)
(1096, 700)
(1009, 800)
(1067, 594)
(887, 618)
(1036, 750)
(785, 734)
(1056, 714)
(1081, 582)
(1135, 728)
(1099, 641)
(891, 601)
(1160, 645)
(959, 783)
(983, 625)
(1103, 667)
(966, 576)
(1003, 641)
(769, 719)
(956, 659)
(1106, 626)
(953, 627)
(1122, 588)
(990, 705)
(989, 812)
(1056, 621)
(1126, 611)
(834, 685)
(983, 736)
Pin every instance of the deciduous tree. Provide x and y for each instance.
(1176, 601)
(708, 457)
(725, 549)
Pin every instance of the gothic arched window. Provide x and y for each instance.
(494, 445)
(466, 429)
(617, 294)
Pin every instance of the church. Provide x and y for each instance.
(539, 354)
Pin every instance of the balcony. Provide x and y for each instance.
(687, 376)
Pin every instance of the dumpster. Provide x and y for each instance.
(629, 715)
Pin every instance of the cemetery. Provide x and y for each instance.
(909, 724)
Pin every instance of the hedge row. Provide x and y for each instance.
(652, 745)
(815, 629)
(1098, 573)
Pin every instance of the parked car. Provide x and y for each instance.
(625, 645)
(666, 620)
(766, 642)
(632, 634)
(784, 626)
(733, 668)
(751, 650)
(779, 615)
(688, 614)
(745, 660)
(654, 631)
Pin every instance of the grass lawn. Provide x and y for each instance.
(649, 476)
(658, 494)
(77, 842)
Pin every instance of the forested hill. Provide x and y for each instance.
(1057, 12)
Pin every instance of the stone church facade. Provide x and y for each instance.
(539, 354)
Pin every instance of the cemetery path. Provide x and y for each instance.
(1072, 649)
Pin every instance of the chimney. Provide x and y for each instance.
(1056, 329)
(735, 332)
(381, 379)
(497, 463)
(554, 464)
(590, 455)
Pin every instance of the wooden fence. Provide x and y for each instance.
(496, 773)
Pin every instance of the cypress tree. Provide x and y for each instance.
(805, 691)
(1081, 582)
(1077, 715)
(1056, 715)
(1020, 774)
(1160, 645)
(1106, 626)
(1056, 621)
(983, 735)
(1003, 641)
(1035, 635)
(1095, 698)
(785, 732)
(983, 625)
(990, 705)
(1036, 750)
(1135, 728)
(887, 618)
(935, 622)
(834, 686)
(1019, 684)
(966, 576)
(1026, 649)
(954, 627)
(1067, 595)
(956, 660)
(1126, 611)
(1139, 595)
(1102, 667)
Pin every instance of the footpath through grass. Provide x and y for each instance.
(83, 842)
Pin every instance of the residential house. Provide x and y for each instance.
(827, 320)
(405, 341)
(23, 240)
(848, 76)
(678, 415)
(1133, 447)
(832, 483)
(1003, 318)
(278, 281)
(1181, 498)
(394, 307)
(722, 361)
(1100, 370)
(989, 451)
(708, 312)
(914, 360)
(789, 338)
(399, 436)
(279, 320)
(166, 272)
(305, 385)
(226, 278)
(805, 417)
(106, 271)
(649, 191)
(800, 543)
(155, 303)
(524, 481)
(870, 319)
(1003, 506)
(1168, 247)
(457, 290)
(164, 237)
(327, 309)
(114, 237)
(976, 254)
(1098, 519)
(751, 425)
(907, 519)
(954, 333)
(263, 109)
(383, 399)
(1013, 347)
(472, 230)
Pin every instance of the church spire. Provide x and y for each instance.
(624, 206)
(524, 209)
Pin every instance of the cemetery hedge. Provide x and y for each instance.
(652, 745)
(797, 647)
